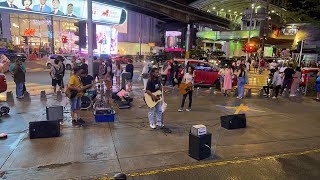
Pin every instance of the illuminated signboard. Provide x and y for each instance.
(68, 8)
(173, 39)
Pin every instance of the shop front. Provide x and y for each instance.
(40, 32)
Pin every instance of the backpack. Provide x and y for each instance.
(58, 75)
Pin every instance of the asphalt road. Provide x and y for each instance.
(285, 166)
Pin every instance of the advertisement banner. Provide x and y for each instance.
(173, 41)
(67, 8)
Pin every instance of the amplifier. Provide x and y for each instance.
(44, 129)
(200, 146)
(54, 113)
(235, 121)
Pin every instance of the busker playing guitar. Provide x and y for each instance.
(188, 78)
(75, 102)
(154, 85)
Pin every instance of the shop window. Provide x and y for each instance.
(15, 26)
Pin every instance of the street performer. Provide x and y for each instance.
(154, 85)
(76, 85)
(188, 78)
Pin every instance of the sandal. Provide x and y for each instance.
(3, 136)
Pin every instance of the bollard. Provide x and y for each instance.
(43, 95)
(235, 92)
(26, 96)
(198, 91)
(248, 95)
(261, 93)
(59, 95)
(120, 176)
(211, 91)
(10, 96)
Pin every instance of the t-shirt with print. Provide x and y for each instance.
(75, 82)
(153, 85)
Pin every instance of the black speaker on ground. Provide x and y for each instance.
(54, 113)
(44, 129)
(235, 121)
(200, 146)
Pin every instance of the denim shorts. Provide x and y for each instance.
(75, 104)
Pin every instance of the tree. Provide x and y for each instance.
(307, 10)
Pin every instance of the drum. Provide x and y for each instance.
(85, 102)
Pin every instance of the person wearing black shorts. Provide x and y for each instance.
(56, 76)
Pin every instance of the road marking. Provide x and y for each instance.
(220, 163)
(238, 108)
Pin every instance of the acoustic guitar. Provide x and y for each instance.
(73, 93)
(185, 88)
(150, 102)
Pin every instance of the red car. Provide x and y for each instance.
(122, 59)
(204, 72)
(3, 83)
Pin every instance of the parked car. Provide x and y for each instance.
(122, 59)
(67, 61)
(4, 63)
(307, 75)
(205, 73)
(3, 83)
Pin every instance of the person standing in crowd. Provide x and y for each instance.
(241, 73)
(107, 75)
(164, 72)
(56, 76)
(96, 63)
(62, 68)
(171, 74)
(188, 78)
(247, 64)
(118, 72)
(175, 73)
(273, 66)
(269, 85)
(276, 82)
(75, 84)
(255, 66)
(112, 74)
(83, 64)
(86, 79)
(73, 65)
(261, 66)
(227, 84)
(145, 74)
(153, 85)
(18, 71)
(296, 81)
(318, 86)
(221, 74)
(130, 69)
(287, 78)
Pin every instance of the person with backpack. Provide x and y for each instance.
(56, 74)
(18, 71)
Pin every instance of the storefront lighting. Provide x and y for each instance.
(222, 9)
(214, 8)
(272, 11)
(253, 5)
(229, 10)
(235, 12)
(241, 13)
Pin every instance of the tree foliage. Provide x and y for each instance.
(307, 10)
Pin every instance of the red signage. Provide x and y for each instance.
(29, 32)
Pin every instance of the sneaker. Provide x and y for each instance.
(189, 109)
(274, 97)
(292, 95)
(80, 121)
(61, 123)
(153, 126)
(74, 122)
(180, 110)
(159, 124)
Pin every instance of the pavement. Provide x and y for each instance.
(281, 141)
